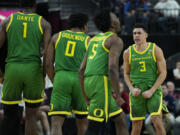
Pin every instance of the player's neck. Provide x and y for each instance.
(28, 10)
(141, 47)
(112, 30)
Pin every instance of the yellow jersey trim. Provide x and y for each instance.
(79, 112)
(95, 119)
(11, 102)
(86, 44)
(11, 18)
(59, 112)
(130, 55)
(27, 13)
(160, 108)
(33, 101)
(136, 118)
(154, 57)
(106, 96)
(75, 32)
(107, 50)
(116, 112)
(39, 22)
(142, 51)
(58, 40)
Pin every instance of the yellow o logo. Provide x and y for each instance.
(98, 112)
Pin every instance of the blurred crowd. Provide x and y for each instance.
(159, 16)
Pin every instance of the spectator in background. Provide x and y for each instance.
(176, 71)
(125, 97)
(169, 14)
(135, 11)
(168, 99)
(170, 103)
(171, 88)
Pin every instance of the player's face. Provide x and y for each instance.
(178, 65)
(115, 22)
(164, 90)
(139, 36)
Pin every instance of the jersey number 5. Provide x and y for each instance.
(25, 30)
(143, 66)
(93, 51)
(72, 45)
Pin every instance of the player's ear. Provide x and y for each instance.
(86, 28)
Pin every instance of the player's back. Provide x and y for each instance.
(69, 50)
(97, 62)
(24, 34)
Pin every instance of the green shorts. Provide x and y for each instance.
(102, 104)
(26, 78)
(67, 95)
(139, 105)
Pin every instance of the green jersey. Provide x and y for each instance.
(143, 67)
(70, 48)
(97, 61)
(24, 35)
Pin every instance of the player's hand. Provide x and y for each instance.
(118, 100)
(87, 100)
(136, 91)
(147, 94)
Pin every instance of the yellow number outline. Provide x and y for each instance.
(143, 66)
(67, 53)
(93, 51)
(25, 29)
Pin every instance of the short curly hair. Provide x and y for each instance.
(78, 20)
(103, 20)
(141, 25)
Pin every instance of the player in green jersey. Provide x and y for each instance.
(99, 75)
(144, 72)
(66, 50)
(26, 34)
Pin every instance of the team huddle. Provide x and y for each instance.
(84, 71)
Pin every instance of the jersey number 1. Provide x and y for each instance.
(25, 30)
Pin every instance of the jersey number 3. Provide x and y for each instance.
(143, 66)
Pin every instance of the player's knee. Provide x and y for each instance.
(155, 118)
(31, 113)
(137, 123)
